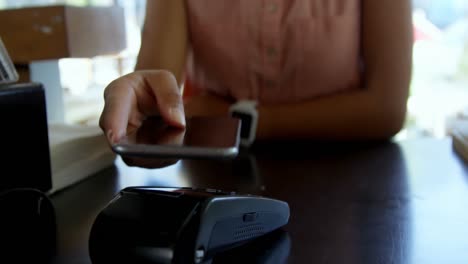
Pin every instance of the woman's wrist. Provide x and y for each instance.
(206, 105)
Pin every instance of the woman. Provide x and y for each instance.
(319, 69)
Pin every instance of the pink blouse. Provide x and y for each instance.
(274, 50)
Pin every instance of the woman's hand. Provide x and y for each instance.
(154, 132)
(130, 99)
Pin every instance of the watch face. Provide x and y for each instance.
(246, 123)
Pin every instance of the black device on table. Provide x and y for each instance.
(27, 222)
(180, 225)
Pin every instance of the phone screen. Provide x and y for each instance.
(203, 137)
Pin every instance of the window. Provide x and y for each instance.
(439, 89)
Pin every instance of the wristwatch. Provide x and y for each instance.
(246, 111)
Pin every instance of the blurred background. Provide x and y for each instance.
(439, 88)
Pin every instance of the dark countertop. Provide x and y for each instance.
(380, 202)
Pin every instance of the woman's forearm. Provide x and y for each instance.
(346, 116)
(164, 38)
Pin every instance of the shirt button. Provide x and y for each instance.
(269, 84)
(271, 52)
(272, 8)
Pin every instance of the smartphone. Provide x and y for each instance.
(202, 137)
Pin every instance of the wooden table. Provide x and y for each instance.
(381, 202)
